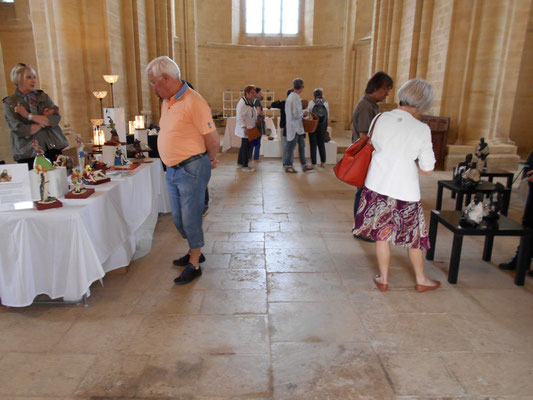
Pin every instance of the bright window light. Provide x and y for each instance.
(272, 17)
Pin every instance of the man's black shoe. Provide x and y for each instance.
(510, 264)
(183, 261)
(188, 275)
(364, 238)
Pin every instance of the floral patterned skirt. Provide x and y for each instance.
(384, 218)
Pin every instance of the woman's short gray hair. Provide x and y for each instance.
(416, 93)
(18, 70)
(163, 65)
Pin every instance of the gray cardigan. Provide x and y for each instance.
(49, 137)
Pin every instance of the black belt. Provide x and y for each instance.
(188, 160)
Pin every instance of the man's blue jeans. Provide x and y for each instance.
(186, 190)
(288, 154)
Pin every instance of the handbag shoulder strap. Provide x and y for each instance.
(373, 125)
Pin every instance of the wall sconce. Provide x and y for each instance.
(111, 79)
(100, 95)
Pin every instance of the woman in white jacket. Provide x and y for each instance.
(390, 210)
(246, 119)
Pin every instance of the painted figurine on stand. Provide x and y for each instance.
(94, 176)
(81, 152)
(494, 204)
(473, 214)
(79, 191)
(120, 159)
(461, 168)
(46, 201)
(64, 161)
(40, 159)
(138, 152)
(482, 152)
(470, 177)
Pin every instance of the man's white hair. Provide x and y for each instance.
(163, 65)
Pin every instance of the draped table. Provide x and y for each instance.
(60, 252)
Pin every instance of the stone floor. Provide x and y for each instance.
(285, 309)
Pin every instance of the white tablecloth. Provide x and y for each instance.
(231, 140)
(61, 251)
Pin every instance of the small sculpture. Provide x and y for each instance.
(461, 168)
(470, 177)
(81, 151)
(120, 160)
(5, 177)
(46, 201)
(481, 153)
(473, 214)
(79, 191)
(40, 159)
(94, 176)
(64, 161)
(138, 152)
(491, 210)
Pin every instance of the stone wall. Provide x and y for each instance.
(476, 53)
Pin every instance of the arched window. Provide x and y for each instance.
(272, 17)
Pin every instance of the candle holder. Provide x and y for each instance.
(111, 79)
(100, 95)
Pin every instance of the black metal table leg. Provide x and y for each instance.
(455, 258)
(433, 227)
(439, 197)
(509, 182)
(506, 201)
(468, 198)
(459, 201)
(487, 248)
(523, 261)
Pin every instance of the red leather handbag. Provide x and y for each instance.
(353, 166)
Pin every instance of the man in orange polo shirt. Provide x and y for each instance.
(188, 143)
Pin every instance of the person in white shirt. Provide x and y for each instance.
(390, 210)
(245, 120)
(294, 127)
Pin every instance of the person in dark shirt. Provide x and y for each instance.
(527, 217)
(282, 123)
(377, 90)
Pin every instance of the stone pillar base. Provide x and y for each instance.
(501, 156)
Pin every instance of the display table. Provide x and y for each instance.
(483, 187)
(62, 251)
(492, 173)
(231, 140)
(503, 227)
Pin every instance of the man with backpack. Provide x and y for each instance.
(320, 108)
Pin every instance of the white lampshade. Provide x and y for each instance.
(110, 78)
(100, 94)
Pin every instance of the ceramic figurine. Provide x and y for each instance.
(470, 177)
(40, 159)
(64, 161)
(481, 153)
(81, 153)
(94, 176)
(494, 205)
(46, 201)
(4, 176)
(120, 160)
(138, 153)
(473, 214)
(461, 168)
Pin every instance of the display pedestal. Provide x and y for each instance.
(118, 116)
(84, 195)
(45, 206)
(57, 183)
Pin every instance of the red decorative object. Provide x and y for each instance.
(127, 167)
(84, 195)
(45, 206)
